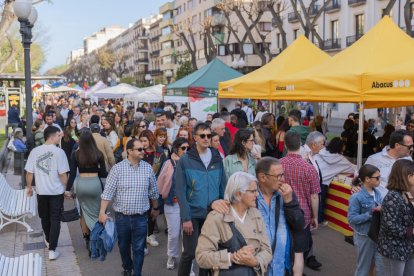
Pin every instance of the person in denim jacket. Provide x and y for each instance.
(361, 207)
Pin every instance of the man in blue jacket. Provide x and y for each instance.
(200, 183)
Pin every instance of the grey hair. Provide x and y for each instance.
(314, 137)
(217, 122)
(138, 116)
(239, 181)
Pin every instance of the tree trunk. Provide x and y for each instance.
(407, 17)
(279, 24)
(249, 33)
(388, 8)
(7, 18)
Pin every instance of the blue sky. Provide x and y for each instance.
(67, 22)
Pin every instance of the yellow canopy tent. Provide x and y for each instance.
(371, 72)
(300, 55)
(359, 73)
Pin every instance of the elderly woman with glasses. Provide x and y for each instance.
(240, 157)
(235, 243)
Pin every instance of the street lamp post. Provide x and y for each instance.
(148, 79)
(27, 16)
(168, 75)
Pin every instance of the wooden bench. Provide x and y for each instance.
(27, 265)
(15, 205)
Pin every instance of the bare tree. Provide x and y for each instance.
(183, 31)
(276, 7)
(388, 8)
(308, 16)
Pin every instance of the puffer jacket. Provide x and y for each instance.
(197, 187)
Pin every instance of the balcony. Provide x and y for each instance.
(155, 53)
(218, 19)
(293, 17)
(334, 6)
(353, 3)
(141, 60)
(313, 10)
(351, 39)
(332, 44)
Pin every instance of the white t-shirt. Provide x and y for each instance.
(206, 157)
(46, 162)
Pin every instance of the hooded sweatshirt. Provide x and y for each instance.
(332, 164)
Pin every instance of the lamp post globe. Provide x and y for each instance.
(168, 75)
(33, 16)
(22, 8)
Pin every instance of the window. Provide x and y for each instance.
(166, 16)
(335, 29)
(222, 50)
(295, 33)
(166, 45)
(166, 30)
(166, 60)
(248, 49)
(235, 48)
(265, 26)
(359, 24)
(190, 5)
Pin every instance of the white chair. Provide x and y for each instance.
(15, 205)
(27, 265)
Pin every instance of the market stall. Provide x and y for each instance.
(116, 92)
(200, 88)
(152, 94)
(373, 72)
(299, 56)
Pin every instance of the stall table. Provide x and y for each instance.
(337, 201)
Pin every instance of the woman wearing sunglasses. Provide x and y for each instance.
(240, 158)
(138, 127)
(361, 207)
(155, 156)
(166, 187)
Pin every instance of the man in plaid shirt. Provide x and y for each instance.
(304, 180)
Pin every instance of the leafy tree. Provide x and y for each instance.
(58, 70)
(184, 69)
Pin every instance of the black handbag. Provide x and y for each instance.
(70, 215)
(374, 228)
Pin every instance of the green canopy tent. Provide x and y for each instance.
(200, 88)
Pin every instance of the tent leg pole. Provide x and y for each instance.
(360, 134)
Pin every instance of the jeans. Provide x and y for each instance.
(132, 232)
(366, 254)
(398, 268)
(50, 211)
(172, 214)
(322, 202)
(190, 245)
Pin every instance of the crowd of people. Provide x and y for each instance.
(240, 192)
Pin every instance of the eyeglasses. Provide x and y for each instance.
(376, 177)
(407, 146)
(278, 176)
(203, 136)
(178, 115)
(254, 191)
(142, 126)
(186, 114)
(184, 148)
(139, 149)
(410, 125)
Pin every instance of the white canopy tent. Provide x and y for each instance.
(89, 93)
(116, 92)
(152, 94)
(60, 89)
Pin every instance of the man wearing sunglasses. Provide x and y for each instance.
(130, 184)
(200, 183)
(400, 147)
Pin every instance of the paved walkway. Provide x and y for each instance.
(15, 241)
